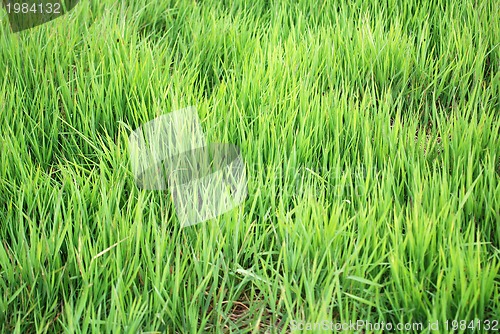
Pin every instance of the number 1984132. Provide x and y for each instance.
(36, 8)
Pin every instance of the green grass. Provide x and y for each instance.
(371, 137)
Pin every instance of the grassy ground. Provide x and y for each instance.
(371, 137)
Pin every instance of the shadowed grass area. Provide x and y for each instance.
(371, 138)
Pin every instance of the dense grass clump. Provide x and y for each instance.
(371, 137)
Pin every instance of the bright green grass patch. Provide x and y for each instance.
(371, 137)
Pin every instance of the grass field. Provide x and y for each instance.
(371, 135)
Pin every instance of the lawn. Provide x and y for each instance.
(371, 138)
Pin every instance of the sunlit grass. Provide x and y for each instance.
(371, 137)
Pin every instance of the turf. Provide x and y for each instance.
(371, 138)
